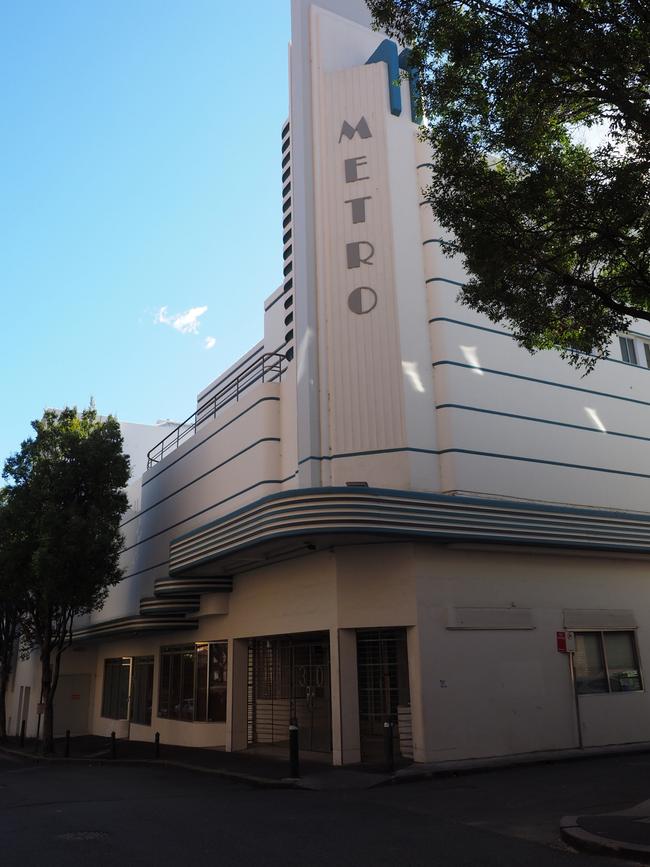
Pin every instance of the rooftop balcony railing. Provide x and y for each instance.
(269, 368)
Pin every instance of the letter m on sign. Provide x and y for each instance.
(348, 131)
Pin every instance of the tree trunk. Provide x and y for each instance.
(47, 700)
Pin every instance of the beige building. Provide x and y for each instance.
(386, 511)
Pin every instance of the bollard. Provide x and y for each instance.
(157, 745)
(389, 757)
(67, 743)
(113, 745)
(22, 732)
(294, 749)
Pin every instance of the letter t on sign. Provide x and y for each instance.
(358, 208)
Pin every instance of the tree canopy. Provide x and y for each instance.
(68, 498)
(555, 235)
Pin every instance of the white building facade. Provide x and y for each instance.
(386, 510)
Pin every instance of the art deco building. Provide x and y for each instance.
(386, 510)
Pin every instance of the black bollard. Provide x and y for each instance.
(67, 743)
(157, 745)
(113, 748)
(23, 725)
(294, 749)
(389, 757)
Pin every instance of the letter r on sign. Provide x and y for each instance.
(355, 259)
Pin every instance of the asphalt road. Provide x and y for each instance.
(102, 816)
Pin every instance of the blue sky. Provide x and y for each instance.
(140, 173)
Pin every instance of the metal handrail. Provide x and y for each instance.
(268, 368)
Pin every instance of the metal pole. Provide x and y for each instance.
(576, 698)
(157, 745)
(389, 756)
(113, 748)
(294, 749)
(22, 733)
(67, 743)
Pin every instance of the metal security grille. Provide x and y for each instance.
(290, 677)
(382, 665)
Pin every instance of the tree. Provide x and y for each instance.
(68, 487)
(555, 235)
(14, 563)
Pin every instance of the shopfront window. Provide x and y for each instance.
(142, 690)
(115, 694)
(607, 662)
(193, 682)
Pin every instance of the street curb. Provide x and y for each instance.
(259, 782)
(440, 770)
(573, 834)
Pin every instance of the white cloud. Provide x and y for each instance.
(209, 342)
(187, 322)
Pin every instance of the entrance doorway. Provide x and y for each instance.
(384, 696)
(290, 677)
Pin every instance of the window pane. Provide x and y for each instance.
(163, 696)
(622, 664)
(624, 352)
(115, 693)
(218, 682)
(142, 696)
(202, 682)
(174, 686)
(187, 694)
(589, 664)
(646, 349)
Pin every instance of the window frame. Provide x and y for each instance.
(123, 663)
(140, 662)
(603, 651)
(178, 651)
(636, 347)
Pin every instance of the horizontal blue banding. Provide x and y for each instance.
(580, 427)
(203, 476)
(444, 280)
(205, 440)
(378, 513)
(505, 457)
(136, 622)
(541, 381)
(201, 512)
(545, 461)
(367, 452)
(509, 334)
(279, 298)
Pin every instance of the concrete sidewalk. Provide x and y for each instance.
(253, 767)
(625, 834)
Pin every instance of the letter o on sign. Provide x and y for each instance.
(362, 300)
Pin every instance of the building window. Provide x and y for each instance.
(628, 350)
(115, 696)
(142, 690)
(193, 682)
(635, 350)
(606, 662)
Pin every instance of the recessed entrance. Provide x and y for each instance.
(384, 696)
(290, 677)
